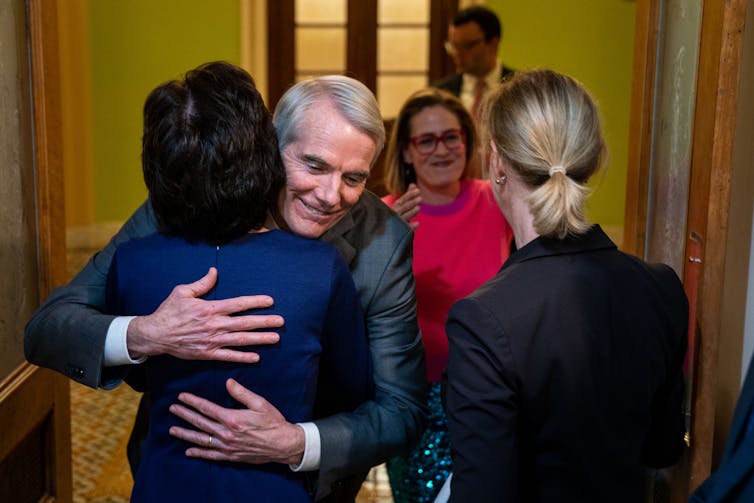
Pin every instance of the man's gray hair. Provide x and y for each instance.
(352, 99)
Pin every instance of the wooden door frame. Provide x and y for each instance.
(35, 402)
(640, 125)
(709, 202)
(714, 125)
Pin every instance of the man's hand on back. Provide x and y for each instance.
(190, 328)
(255, 434)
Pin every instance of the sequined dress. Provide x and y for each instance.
(418, 477)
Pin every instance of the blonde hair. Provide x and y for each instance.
(547, 127)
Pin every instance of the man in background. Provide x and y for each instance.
(473, 40)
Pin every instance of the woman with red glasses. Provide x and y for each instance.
(461, 240)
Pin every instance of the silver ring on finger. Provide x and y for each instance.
(209, 441)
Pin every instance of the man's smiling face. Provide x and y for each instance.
(326, 170)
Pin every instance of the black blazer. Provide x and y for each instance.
(564, 375)
(453, 83)
(733, 482)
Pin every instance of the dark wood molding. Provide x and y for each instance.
(281, 55)
(361, 46)
(34, 402)
(48, 144)
(441, 15)
(708, 208)
(640, 125)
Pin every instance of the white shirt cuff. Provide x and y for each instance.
(312, 449)
(116, 346)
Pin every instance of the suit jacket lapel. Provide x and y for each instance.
(336, 236)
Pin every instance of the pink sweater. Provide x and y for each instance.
(457, 248)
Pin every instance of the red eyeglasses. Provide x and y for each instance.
(426, 144)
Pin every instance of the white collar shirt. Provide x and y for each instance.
(492, 81)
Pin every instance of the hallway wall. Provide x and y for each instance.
(121, 50)
(592, 41)
(117, 53)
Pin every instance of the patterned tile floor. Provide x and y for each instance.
(100, 424)
(101, 420)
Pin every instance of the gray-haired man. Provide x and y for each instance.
(330, 133)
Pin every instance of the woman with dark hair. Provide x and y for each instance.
(212, 166)
(565, 370)
(460, 241)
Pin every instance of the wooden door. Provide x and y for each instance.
(713, 126)
(361, 43)
(35, 452)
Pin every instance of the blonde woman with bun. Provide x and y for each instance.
(564, 376)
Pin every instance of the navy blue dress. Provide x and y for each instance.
(323, 337)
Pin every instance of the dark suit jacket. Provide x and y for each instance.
(733, 482)
(564, 375)
(453, 83)
(67, 334)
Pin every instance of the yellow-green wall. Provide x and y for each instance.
(135, 46)
(75, 94)
(592, 41)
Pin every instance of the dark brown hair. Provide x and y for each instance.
(210, 155)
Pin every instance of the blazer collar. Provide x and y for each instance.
(594, 239)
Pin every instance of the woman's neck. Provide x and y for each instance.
(518, 214)
(437, 196)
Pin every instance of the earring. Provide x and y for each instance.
(500, 180)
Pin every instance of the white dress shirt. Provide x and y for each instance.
(492, 81)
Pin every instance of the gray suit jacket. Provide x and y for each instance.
(67, 334)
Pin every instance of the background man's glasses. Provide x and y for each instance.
(454, 48)
(426, 144)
